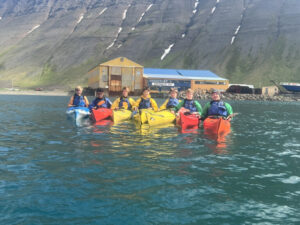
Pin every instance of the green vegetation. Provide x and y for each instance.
(277, 62)
(48, 73)
(188, 61)
(61, 52)
(2, 66)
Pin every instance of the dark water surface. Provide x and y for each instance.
(52, 172)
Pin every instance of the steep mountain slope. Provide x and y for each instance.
(55, 42)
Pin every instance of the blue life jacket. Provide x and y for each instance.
(173, 102)
(122, 100)
(145, 103)
(190, 104)
(104, 104)
(78, 101)
(217, 108)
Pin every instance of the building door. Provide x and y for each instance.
(115, 80)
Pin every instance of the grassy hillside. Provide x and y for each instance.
(56, 43)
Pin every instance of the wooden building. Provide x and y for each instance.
(270, 91)
(115, 74)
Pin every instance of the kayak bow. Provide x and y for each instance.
(101, 114)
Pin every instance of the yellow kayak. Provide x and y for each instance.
(141, 116)
(160, 118)
(120, 115)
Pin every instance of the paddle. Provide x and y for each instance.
(231, 116)
(192, 113)
(133, 113)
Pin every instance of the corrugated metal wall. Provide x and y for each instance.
(138, 79)
(127, 77)
(103, 77)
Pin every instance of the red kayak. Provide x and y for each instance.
(218, 126)
(104, 123)
(188, 121)
(101, 114)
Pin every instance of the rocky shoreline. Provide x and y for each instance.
(198, 95)
(250, 97)
(32, 92)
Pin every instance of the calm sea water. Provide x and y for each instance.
(53, 172)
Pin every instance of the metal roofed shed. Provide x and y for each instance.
(163, 79)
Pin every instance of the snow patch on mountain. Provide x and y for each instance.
(120, 29)
(80, 18)
(34, 28)
(102, 11)
(124, 14)
(112, 44)
(149, 7)
(232, 40)
(237, 30)
(213, 10)
(166, 51)
(195, 6)
(142, 15)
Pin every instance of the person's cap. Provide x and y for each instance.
(215, 91)
(100, 90)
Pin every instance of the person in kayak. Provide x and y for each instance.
(216, 107)
(100, 101)
(172, 101)
(189, 105)
(78, 100)
(145, 101)
(123, 102)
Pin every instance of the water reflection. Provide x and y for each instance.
(129, 133)
(188, 131)
(79, 122)
(219, 141)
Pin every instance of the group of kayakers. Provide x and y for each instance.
(216, 107)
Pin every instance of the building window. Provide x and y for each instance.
(104, 71)
(104, 78)
(266, 91)
(179, 84)
(207, 82)
(116, 70)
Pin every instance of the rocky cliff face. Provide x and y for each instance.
(51, 42)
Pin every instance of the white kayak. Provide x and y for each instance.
(78, 113)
